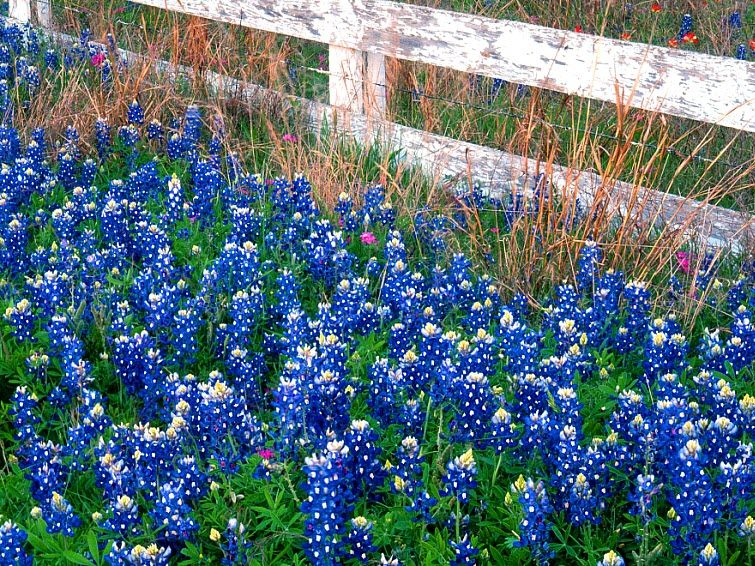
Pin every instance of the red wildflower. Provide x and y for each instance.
(626, 36)
(690, 37)
(656, 7)
(673, 42)
(579, 28)
(752, 44)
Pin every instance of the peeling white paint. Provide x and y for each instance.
(719, 90)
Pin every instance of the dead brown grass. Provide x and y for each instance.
(540, 249)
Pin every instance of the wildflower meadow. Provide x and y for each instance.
(202, 364)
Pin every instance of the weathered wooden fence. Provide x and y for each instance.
(361, 33)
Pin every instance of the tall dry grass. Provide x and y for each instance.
(538, 250)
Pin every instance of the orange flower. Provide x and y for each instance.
(752, 44)
(673, 42)
(579, 28)
(690, 37)
(626, 36)
(656, 7)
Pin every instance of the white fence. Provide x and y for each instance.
(361, 33)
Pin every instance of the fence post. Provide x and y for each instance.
(357, 81)
(44, 13)
(346, 78)
(375, 86)
(20, 10)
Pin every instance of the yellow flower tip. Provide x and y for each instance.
(214, 535)
(709, 552)
(467, 459)
(399, 483)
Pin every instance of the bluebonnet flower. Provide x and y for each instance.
(125, 516)
(12, 541)
(359, 540)
(152, 555)
(135, 113)
(103, 137)
(326, 508)
(464, 552)
(735, 20)
(59, 516)
(747, 528)
(709, 556)
(21, 318)
(236, 547)
(534, 529)
(52, 59)
(155, 130)
(459, 479)
(171, 515)
(407, 477)
(647, 489)
(611, 558)
(685, 27)
(588, 266)
(364, 452)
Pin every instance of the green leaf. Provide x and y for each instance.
(94, 549)
(76, 558)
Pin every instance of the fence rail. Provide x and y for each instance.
(690, 85)
(360, 33)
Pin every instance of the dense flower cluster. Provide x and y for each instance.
(190, 324)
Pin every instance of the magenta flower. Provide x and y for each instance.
(266, 453)
(682, 259)
(291, 138)
(368, 238)
(98, 59)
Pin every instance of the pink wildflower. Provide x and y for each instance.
(290, 138)
(266, 453)
(494, 230)
(98, 59)
(682, 259)
(368, 238)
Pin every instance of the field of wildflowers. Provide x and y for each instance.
(202, 365)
